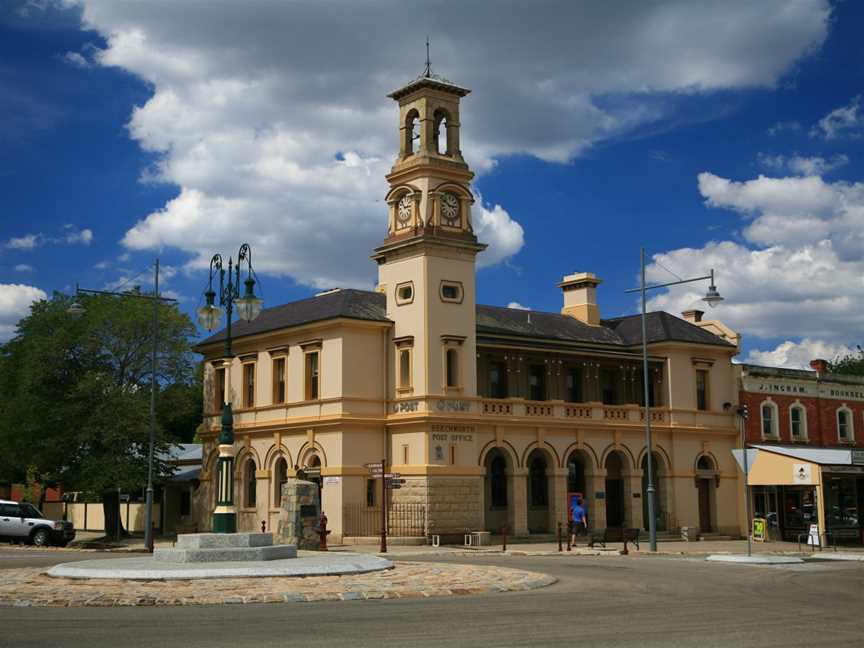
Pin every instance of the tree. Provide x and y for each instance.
(852, 364)
(77, 394)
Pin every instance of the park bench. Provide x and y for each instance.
(614, 534)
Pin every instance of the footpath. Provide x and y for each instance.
(93, 541)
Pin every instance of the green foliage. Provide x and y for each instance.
(852, 364)
(76, 392)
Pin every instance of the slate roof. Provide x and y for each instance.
(661, 327)
(491, 321)
(347, 303)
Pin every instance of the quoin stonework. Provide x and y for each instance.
(493, 416)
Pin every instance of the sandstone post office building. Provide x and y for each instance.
(491, 415)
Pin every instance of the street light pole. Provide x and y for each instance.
(76, 310)
(148, 530)
(743, 414)
(649, 455)
(209, 316)
(712, 297)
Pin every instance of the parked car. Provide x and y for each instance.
(21, 521)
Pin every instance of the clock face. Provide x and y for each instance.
(450, 209)
(403, 210)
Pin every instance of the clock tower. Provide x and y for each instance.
(426, 264)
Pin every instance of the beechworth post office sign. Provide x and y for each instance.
(808, 389)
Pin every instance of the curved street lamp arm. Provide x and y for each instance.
(673, 283)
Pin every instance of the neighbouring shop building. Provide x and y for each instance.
(491, 415)
(807, 431)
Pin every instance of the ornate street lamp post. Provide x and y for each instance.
(712, 298)
(209, 316)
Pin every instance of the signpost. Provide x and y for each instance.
(389, 481)
(377, 471)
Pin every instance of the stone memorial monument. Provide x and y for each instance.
(301, 509)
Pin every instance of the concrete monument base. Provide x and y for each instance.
(224, 547)
(329, 564)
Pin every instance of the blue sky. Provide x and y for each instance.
(723, 135)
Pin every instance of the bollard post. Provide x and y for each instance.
(559, 538)
(322, 532)
(263, 526)
(504, 538)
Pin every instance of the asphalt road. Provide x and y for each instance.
(626, 601)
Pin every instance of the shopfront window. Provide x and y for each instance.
(841, 499)
(799, 509)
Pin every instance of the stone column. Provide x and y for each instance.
(518, 500)
(633, 505)
(558, 499)
(596, 507)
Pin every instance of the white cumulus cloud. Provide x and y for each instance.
(800, 165)
(271, 117)
(846, 121)
(517, 306)
(797, 355)
(15, 300)
(799, 273)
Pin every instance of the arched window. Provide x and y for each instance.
(441, 144)
(280, 476)
(845, 425)
(250, 483)
(538, 483)
(798, 422)
(498, 481)
(411, 120)
(704, 463)
(769, 420)
(575, 475)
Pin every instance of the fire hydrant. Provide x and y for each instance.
(322, 532)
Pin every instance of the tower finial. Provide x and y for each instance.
(428, 71)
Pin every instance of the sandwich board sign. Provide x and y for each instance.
(760, 527)
(813, 535)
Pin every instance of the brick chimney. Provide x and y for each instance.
(819, 365)
(693, 316)
(580, 297)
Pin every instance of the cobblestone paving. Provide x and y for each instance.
(31, 587)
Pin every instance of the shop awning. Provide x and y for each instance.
(770, 464)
